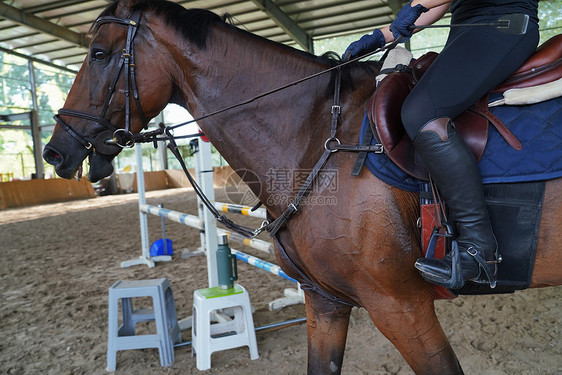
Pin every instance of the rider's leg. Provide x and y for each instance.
(454, 170)
(473, 61)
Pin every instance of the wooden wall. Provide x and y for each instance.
(32, 192)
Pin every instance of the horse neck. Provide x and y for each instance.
(273, 132)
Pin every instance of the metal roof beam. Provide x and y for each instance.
(52, 5)
(34, 59)
(39, 24)
(19, 37)
(286, 23)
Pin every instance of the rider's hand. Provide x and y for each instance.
(407, 16)
(367, 43)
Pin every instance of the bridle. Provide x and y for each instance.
(114, 135)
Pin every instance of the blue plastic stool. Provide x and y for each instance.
(163, 313)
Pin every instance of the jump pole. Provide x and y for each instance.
(198, 223)
(292, 296)
(260, 213)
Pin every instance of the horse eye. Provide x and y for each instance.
(99, 55)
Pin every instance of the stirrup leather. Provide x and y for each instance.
(484, 265)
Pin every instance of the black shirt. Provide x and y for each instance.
(462, 10)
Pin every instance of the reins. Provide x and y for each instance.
(284, 87)
(123, 137)
(240, 229)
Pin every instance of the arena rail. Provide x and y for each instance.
(262, 264)
(239, 209)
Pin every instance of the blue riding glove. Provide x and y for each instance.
(407, 16)
(367, 43)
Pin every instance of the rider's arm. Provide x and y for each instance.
(437, 9)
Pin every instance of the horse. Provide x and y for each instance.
(358, 250)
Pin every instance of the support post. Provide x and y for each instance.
(206, 182)
(145, 258)
(35, 126)
(186, 254)
(162, 149)
(37, 146)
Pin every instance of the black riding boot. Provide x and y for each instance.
(455, 172)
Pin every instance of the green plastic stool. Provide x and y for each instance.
(209, 337)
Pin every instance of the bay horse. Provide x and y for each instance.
(357, 252)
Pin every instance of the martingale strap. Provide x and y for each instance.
(331, 145)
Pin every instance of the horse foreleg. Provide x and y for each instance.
(414, 330)
(327, 323)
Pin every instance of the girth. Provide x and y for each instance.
(385, 105)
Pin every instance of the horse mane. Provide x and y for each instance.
(195, 24)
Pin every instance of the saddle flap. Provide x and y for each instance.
(473, 129)
(384, 117)
(385, 106)
(385, 120)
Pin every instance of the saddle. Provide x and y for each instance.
(543, 67)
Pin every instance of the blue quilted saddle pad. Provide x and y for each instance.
(537, 126)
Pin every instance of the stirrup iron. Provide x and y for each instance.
(456, 281)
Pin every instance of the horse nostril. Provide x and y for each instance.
(51, 156)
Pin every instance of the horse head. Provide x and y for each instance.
(113, 96)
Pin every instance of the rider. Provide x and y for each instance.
(474, 60)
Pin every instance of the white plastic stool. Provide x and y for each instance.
(163, 313)
(207, 337)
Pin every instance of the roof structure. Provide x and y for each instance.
(57, 31)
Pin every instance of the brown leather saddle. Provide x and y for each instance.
(384, 107)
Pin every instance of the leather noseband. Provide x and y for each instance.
(121, 137)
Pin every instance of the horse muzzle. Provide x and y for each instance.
(71, 167)
(66, 165)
